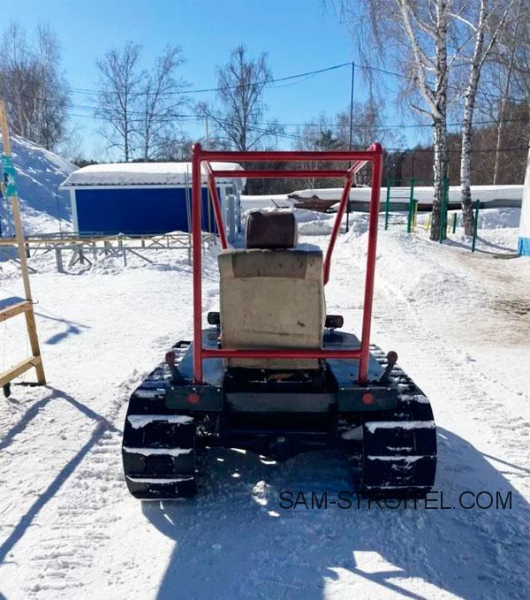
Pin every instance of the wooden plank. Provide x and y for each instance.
(14, 309)
(34, 342)
(21, 367)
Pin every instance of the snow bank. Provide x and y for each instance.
(44, 207)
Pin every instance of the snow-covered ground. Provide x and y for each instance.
(69, 529)
(39, 173)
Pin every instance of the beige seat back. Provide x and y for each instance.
(272, 299)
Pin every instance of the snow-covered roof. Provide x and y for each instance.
(152, 173)
(485, 193)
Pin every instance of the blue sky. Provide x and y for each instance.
(298, 35)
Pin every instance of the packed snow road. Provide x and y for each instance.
(69, 529)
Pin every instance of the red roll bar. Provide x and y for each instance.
(358, 160)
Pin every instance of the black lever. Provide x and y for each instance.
(392, 360)
(176, 377)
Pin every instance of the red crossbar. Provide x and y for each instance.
(296, 353)
(265, 174)
(373, 155)
(288, 155)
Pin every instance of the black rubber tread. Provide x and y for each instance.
(166, 490)
(399, 449)
(158, 450)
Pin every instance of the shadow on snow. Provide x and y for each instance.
(102, 426)
(235, 540)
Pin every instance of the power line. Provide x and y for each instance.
(251, 84)
(192, 116)
(306, 74)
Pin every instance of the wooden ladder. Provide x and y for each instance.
(25, 307)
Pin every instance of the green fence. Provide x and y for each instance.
(395, 190)
(405, 193)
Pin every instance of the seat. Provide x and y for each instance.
(272, 294)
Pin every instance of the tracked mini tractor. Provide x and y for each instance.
(273, 374)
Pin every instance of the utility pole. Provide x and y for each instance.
(351, 137)
(207, 145)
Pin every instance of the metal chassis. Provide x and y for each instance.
(358, 159)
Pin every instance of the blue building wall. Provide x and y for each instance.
(137, 210)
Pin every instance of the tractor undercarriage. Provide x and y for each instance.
(391, 434)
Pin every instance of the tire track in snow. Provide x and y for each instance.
(80, 515)
(401, 322)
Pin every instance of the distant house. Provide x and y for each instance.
(147, 198)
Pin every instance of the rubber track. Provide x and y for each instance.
(158, 447)
(399, 449)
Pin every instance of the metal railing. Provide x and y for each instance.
(88, 248)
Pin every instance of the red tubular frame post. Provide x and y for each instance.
(345, 198)
(196, 232)
(374, 155)
(377, 173)
(216, 207)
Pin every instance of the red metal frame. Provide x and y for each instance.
(358, 160)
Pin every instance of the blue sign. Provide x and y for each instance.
(8, 169)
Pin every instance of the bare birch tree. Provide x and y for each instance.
(160, 102)
(120, 89)
(31, 83)
(318, 135)
(241, 84)
(415, 32)
(509, 72)
(481, 29)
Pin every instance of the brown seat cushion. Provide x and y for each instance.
(271, 230)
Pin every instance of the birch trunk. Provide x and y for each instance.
(480, 53)
(440, 174)
(470, 96)
(465, 160)
(440, 119)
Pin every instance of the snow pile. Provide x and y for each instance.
(39, 172)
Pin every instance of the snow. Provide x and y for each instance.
(408, 459)
(152, 451)
(153, 173)
(258, 202)
(158, 481)
(460, 322)
(139, 421)
(375, 425)
(39, 173)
